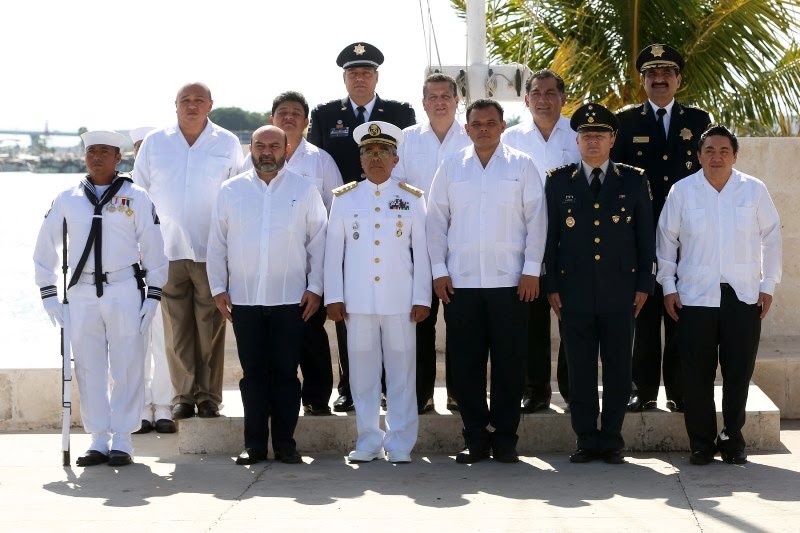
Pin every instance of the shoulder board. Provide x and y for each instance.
(631, 168)
(628, 107)
(347, 187)
(557, 170)
(410, 188)
(693, 107)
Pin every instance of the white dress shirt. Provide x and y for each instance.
(731, 236)
(130, 233)
(267, 242)
(486, 226)
(314, 164)
(372, 233)
(421, 153)
(667, 116)
(368, 107)
(183, 182)
(559, 150)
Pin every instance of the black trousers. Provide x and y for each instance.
(538, 360)
(583, 334)
(480, 322)
(729, 334)
(426, 357)
(269, 340)
(647, 356)
(315, 361)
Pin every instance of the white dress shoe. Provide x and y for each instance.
(357, 456)
(398, 457)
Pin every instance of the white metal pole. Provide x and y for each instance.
(477, 68)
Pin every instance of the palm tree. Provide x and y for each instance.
(742, 62)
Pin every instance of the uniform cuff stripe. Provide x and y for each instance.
(48, 292)
(154, 293)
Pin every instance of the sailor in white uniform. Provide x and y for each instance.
(110, 224)
(378, 279)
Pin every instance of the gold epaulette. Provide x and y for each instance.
(554, 170)
(347, 187)
(410, 188)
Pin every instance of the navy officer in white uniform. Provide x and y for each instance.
(378, 279)
(109, 222)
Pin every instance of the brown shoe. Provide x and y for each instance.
(207, 409)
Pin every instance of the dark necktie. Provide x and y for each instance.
(360, 116)
(595, 184)
(662, 133)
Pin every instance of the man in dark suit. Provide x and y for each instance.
(331, 129)
(599, 268)
(660, 136)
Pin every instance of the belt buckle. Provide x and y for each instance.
(103, 277)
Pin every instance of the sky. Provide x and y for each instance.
(105, 64)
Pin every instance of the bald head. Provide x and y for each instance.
(268, 149)
(194, 87)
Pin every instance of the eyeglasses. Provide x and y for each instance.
(372, 154)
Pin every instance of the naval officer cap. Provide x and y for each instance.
(360, 55)
(379, 132)
(659, 55)
(138, 134)
(593, 117)
(109, 138)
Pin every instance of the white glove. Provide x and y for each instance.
(147, 313)
(55, 310)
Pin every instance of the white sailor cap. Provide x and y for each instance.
(110, 138)
(377, 131)
(138, 134)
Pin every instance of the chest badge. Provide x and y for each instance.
(615, 218)
(399, 204)
(686, 134)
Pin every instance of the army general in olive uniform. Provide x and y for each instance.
(660, 136)
(599, 268)
(331, 128)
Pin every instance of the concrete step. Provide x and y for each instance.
(440, 431)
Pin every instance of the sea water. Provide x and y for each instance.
(29, 340)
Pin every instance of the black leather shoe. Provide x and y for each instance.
(637, 403)
(472, 455)
(531, 405)
(505, 455)
(119, 458)
(165, 425)
(427, 407)
(582, 455)
(290, 456)
(146, 427)
(675, 407)
(316, 410)
(613, 457)
(343, 404)
(92, 458)
(251, 456)
(734, 458)
(207, 409)
(452, 404)
(701, 458)
(182, 410)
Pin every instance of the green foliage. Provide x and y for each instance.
(236, 119)
(742, 62)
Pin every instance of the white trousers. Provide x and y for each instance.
(375, 342)
(105, 338)
(158, 391)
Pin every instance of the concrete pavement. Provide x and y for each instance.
(165, 489)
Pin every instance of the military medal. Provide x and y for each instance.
(615, 218)
(129, 212)
(111, 208)
(355, 225)
(570, 222)
(399, 233)
(689, 165)
(355, 235)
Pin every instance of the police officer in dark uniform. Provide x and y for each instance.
(331, 129)
(599, 268)
(660, 136)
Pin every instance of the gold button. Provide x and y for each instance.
(377, 243)
(377, 278)
(597, 206)
(377, 209)
(623, 209)
(639, 152)
(377, 193)
(377, 259)
(688, 152)
(665, 157)
(597, 258)
(596, 222)
(666, 178)
(562, 271)
(597, 240)
(633, 270)
(377, 226)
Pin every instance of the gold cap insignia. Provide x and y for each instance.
(657, 50)
(359, 49)
(374, 130)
